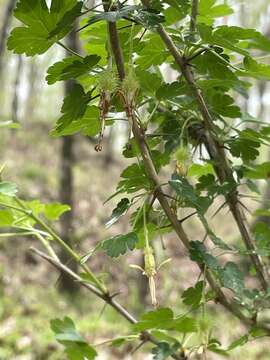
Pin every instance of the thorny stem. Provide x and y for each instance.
(139, 136)
(151, 171)
(146, 336)
(216, 152)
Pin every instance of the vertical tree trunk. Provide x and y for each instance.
(66, 193)
(4, 30)
(108, 157)
(33, 78)
(15, 100)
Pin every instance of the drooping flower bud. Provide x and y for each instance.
(182, 157)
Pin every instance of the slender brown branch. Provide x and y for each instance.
(193, 17)
(114, 38)
(139, 136)
(105, 297)
(217, 153)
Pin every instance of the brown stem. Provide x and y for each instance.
(176, 224)
(114, 38)
(105, 297)
(216, 151)
(152, 174)
(193, 18)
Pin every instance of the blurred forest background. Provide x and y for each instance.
(70, 171)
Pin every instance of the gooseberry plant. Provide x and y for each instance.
(190, 127)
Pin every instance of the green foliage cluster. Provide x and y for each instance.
(191, 124)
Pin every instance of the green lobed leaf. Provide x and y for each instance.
(260, 171)
(208, 10)
(222, 104)
(53, 211)
(193, 295)
(163, 318)
(40, 23)
(149, 82)
(152, 52)
(171, 90)
(119, 244)
(89, 124)
(74, 111)
(71, 67)
(133, 178)
(187, 194)
(163, 350)
(198, 170)
(65, 330)
(232, 278)
(199, 254)
(255, 69)
(76, 346)
(81, 352)
(232, 38)
(262, 236)
(245, 145)
(65, 23)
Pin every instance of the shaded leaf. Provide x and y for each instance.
(255, 69)
(71, 68)
(119, 244)
(35, 37)
(133, 178)
(187, 194)
(232, 278)
(260, 171)
(163, 350)
(65, 330)
(76, 346)
(199, 254)
(163, 318)
(193, 295)
(74, 109)
(120, 210)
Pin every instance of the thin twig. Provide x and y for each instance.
(29, 213)
(105, 297)
(68, 49)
